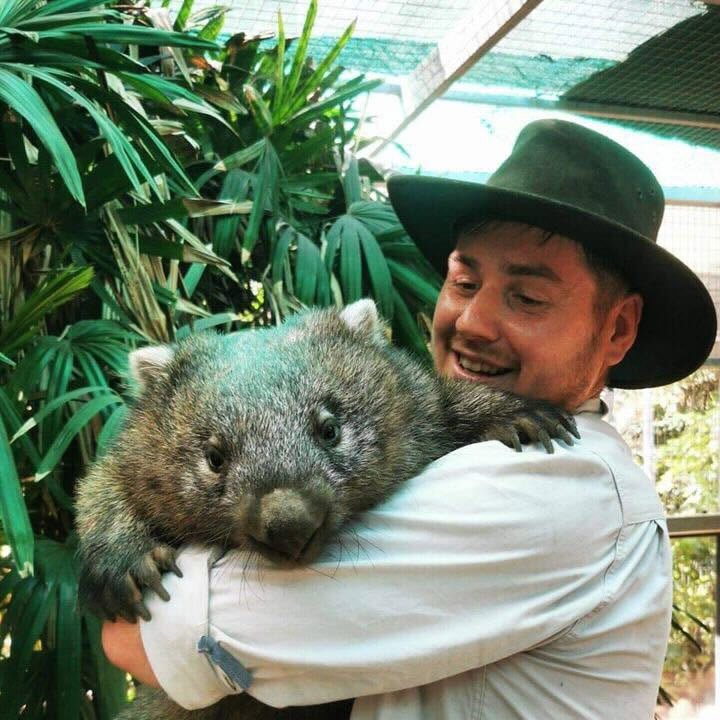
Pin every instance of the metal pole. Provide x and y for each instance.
(717, 621)
(717, 573)
(648, 434)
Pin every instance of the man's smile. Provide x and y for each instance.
(477, 368)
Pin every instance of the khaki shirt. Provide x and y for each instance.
(494, 585)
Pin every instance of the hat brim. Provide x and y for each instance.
(678, 325)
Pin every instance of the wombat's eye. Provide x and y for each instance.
(328, 429)
(215, 458)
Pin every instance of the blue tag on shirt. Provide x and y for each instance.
(236, 672)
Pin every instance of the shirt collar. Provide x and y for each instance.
(592, 405)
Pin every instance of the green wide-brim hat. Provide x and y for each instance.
(567, 179)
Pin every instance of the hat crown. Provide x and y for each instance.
(570, 164)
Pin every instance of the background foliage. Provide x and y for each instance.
(153, 183)
(686, 426)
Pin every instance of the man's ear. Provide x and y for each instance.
(149, 364)
(362, 317)
(625, 317)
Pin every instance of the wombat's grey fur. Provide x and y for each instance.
(270, 440)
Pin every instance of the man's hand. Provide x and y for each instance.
(123, 647)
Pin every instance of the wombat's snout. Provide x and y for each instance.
(288, 521)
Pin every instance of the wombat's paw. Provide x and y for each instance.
(535, 422)
(119, 592)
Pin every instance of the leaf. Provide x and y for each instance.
(54, 404)
(59, 377)
(25, 100)
(413, 283)
(10, 416)
(144, 131)
(22, 592)
(197, 250)
(160, 18)
(279, 68)
(242, 157)
(14, 514)
(41, 22)
(316, 145)
(126, 154)
(12, 11)
(110, 429)
(280, 253)
(181, 207)
(265, 193)
(24, 636)
(192, 277)
(214, 26)
(380, 277)
(168, 92)
(307, 267)
(63, 6)
(68, 648)
(109, 681)
(53, 293)
(77, 421)
(378, 217)
(259, 109)
(300, 52)
(406, 331)
(235, 187)
(183, 15)
(312, 112)
(115, 33)
(323, 66)
(351, 184)
(350, 262)
(207, 323)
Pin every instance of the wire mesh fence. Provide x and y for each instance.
(692, 234)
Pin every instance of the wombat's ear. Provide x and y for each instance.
(150, 363)
(362, 316)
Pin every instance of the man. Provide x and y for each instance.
(494, 585)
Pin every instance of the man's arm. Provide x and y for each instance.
(480, 557)
(124, 648)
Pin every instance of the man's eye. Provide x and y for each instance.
(465, 285)
(527, 300)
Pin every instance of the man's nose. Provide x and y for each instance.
(480, 317)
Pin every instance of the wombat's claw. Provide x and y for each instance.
(546, 441)
(564, 435)
(537, 424)
(121, 594)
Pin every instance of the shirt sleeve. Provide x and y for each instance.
(485, 554)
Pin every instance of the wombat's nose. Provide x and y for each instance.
(288, 521)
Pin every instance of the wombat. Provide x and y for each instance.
(268, 441)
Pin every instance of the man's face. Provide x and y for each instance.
(516, 312)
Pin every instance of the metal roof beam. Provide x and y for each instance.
(599, 110)
(456, 52)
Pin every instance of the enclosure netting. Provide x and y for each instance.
(693, 235)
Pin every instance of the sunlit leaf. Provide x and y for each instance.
(15, 519)
(25, 100)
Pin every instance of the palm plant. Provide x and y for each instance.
(316, 232)
(146, 193)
